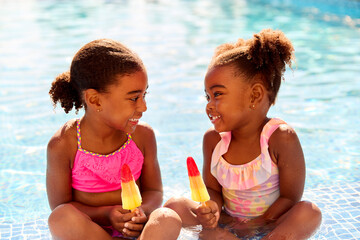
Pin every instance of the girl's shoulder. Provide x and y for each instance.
(211, 138)
(144, 135)
(283, 139)
(64, 138)
(143, 129)
(283, 133)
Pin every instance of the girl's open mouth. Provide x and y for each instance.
(214, 118)
(134, 121)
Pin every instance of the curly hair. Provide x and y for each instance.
(264, 56)
(95, 66)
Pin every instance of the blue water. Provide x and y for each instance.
(320, 98)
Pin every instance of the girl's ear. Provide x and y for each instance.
(92, 99)
(257, 94)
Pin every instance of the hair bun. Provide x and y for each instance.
(270, 47)
(64, 92)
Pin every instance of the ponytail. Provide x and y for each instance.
(63, 91)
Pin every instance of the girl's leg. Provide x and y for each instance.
(163, 223)
(184, 208)
(67, 222)
(300, 222)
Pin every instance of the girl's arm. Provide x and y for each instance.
(58, 171)
(284, 146)
(211, 138)
(150, 179)
(208, 215)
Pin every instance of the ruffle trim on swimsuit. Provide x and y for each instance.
(246, 176)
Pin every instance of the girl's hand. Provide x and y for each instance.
(119, 216)
(208, 214)
(134, 227)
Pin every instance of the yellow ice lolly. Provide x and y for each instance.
(130, 193)
(199, 192)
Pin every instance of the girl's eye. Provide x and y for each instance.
(134, 99)
(216, 94)
(207, 97)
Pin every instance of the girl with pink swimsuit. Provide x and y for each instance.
(85, 156)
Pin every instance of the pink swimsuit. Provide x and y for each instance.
(94, 172)
(248, 189)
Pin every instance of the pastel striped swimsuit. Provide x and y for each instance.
(249, 189)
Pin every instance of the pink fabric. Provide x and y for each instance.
(115, 233)
(248, 189)
(94, 172)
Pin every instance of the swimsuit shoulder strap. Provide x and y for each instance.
(78, 133)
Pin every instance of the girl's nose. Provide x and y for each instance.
(209, 105)
(142, 105)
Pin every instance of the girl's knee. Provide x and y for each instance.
(184, 207)
(164, 223)
(165, 216)
(58, 213)
(175, 201)
(308, 212)
(64, 216)
(178, 204)
(309, 209)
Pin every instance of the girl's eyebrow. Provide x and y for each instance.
(137, 91)
(217, 86)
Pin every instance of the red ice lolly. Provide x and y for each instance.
(130, 194)
(199, 192)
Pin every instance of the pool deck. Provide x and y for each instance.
(340, 206)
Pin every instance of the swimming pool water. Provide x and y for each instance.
(320, 98)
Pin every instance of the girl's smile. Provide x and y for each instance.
(134, 121)
(213, 119)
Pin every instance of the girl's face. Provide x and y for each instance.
(124, 103)
(228, 99)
